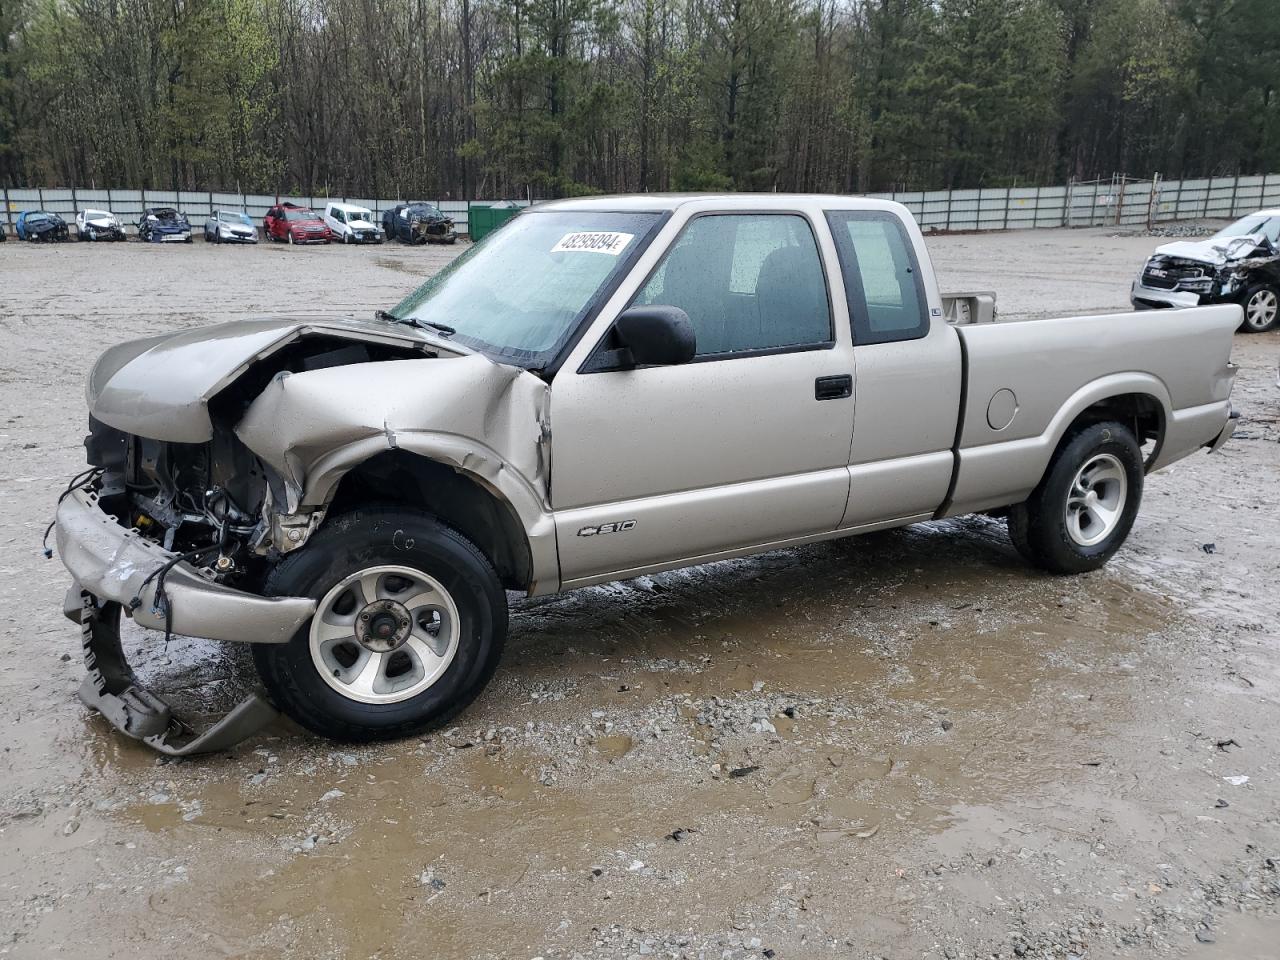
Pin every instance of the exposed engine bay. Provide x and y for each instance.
(217, 502)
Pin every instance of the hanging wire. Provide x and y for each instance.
(82, 479)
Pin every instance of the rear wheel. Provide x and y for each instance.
(409, 627)
(1261, 308)
(1082, 511)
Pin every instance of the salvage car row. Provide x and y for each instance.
(416, 222)
(1238, 264)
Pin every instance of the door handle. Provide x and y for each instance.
(833, 388)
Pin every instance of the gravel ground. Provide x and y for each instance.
(902, 745)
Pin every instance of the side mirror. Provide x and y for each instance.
(656, 335)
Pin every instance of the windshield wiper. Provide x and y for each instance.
(442, 328)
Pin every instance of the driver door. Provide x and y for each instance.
(745, 445)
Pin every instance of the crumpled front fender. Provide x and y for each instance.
(486, 420)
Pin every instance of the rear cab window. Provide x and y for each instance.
(881, 277)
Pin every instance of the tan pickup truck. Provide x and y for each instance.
(601, 389)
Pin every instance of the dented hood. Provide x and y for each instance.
(159, 387)
(1218, 251)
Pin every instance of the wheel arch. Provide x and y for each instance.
(997, 475)
(521, 549)
(1140, 411)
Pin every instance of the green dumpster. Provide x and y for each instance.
(483, 219)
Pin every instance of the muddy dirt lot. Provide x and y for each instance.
(906, 745)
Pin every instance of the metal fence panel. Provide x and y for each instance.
(1119, 200)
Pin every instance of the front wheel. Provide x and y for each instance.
(1084, 507)
(1261, 308)
(410, 623)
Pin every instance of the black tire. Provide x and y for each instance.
(368, 538)
(1268, 296)
(1039, 527)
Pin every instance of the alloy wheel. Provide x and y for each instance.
(1095, 502)
(1260, 312)
(384, 634)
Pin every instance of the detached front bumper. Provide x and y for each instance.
(111, 563)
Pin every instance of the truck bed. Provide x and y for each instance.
(1026, 381)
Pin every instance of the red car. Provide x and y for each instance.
(295, 224)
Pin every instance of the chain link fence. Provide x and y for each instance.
(1118, 201)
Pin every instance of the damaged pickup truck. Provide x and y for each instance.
(1238, 264)
(604, 388)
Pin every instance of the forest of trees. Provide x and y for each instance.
(493, 98)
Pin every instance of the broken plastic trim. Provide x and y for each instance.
(112, 689)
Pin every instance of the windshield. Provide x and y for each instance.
(230, 216)
(365, 215)
(1246, 226)
(296, 215)
(521, 292)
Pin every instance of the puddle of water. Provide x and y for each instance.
(613, 746)
(1243, 937)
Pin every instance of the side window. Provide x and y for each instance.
(881, 277)
(747, 282)
(339, 215)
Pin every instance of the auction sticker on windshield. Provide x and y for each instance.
(595, 242)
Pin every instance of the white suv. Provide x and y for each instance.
(352, 224)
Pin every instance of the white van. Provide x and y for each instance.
(352, 224)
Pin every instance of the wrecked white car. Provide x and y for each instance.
(602, 389)
(1238, 264)
(99, 225)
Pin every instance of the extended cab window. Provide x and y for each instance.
(881, 278)
(747, 282)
